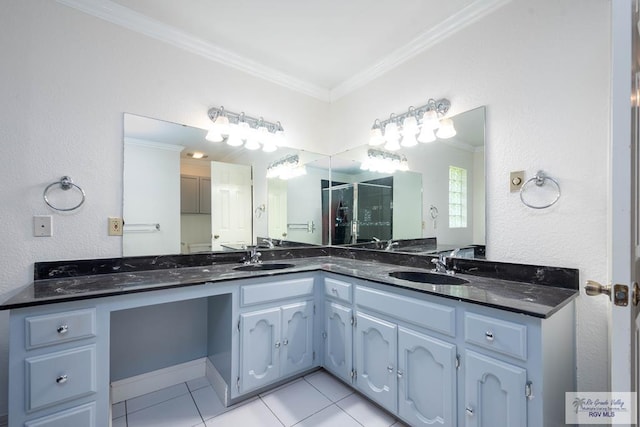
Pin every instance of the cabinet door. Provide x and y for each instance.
(189, 194)
(376, 353)
(338, 345)
(205, 195)
(259, 348)
(297, 337)
(426, 380)
(494, 392)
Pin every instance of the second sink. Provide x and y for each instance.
(262, 267)
(426, 277)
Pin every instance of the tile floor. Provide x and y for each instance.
(318, 399)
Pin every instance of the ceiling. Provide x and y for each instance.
(321, 48)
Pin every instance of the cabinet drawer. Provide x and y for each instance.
(56, 328)
(267, 292)
(498, 335)
(60, 376)
(437, 317)
(337, 289)
(81, 416)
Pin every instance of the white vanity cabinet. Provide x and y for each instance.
(53, 368)
(275, 341)
(398, 364)
(338, 330)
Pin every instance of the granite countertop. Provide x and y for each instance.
(537, 299)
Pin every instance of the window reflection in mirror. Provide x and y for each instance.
(438, 204)
(183, 194)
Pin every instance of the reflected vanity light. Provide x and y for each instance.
(414, 126)
(384, 162)
(197, 155)
(238, 129)
(286, 168)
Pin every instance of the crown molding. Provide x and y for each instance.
(135, 142)
(132, 20)
(456, 22)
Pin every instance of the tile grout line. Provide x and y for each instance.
(195, 403)
(271, 410)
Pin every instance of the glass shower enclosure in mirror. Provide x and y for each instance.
(183, 194)
(426, 198)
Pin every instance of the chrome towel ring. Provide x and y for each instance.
(65, 183)
(539, 179)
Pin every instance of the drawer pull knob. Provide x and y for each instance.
(62, 379)
(390, 369)
(63, 329)
(277, 344)
(489, 335)
(400, 373)
(334, 290)
(469, 412)
(285, 341)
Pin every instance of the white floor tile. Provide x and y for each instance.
(150, 399)
(332, 416)
(198, 383)
(254, 413)
(328, 385)
(119, 422)
(178, 412)
(208, 402)
(118, 410)
(295, 402)
(365, 412)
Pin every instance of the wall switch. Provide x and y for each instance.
(516, 180)
(115, 226)
(42, 226)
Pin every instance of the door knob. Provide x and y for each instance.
(594, 288)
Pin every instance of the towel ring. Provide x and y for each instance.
(539, 179)
(65, 183)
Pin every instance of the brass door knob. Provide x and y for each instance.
(594, 288)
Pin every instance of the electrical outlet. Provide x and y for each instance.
(42, 226)
(115, 226)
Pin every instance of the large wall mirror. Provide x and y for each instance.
(435, 202)
(183, 194)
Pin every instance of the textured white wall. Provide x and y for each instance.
(542, 69)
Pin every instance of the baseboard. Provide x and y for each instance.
(218, 383)
(131, 387)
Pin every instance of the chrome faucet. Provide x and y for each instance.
(390, 245)
(253, 255)
(269, 242)
(440, 265)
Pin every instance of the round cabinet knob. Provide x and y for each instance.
(277, 344)
(334, 290)
(62, 329)
(489, 335)
(390, 369)
(400, 373)
(285, 341)
(469, 412)
(62, 379)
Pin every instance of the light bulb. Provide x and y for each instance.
(446, 129)
(392, 144)
(426, 135)
(375, 137)
(391, 131)
(214, 134)
(252, 144)
(222, 123)
(409, 140)
(430, 120)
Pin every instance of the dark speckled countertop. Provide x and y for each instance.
(533, 290)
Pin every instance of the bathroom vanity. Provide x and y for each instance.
(489, 351)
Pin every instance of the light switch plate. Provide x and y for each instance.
(115, 226)
(42, 226)
(516, 180)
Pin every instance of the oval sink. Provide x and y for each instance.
(426, 277)
(262, 267)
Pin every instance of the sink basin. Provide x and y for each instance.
(263, 267)
(426, 277)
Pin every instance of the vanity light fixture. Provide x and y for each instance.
(239, 129)
(286, 168)
(416, 125)
(384, 162)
